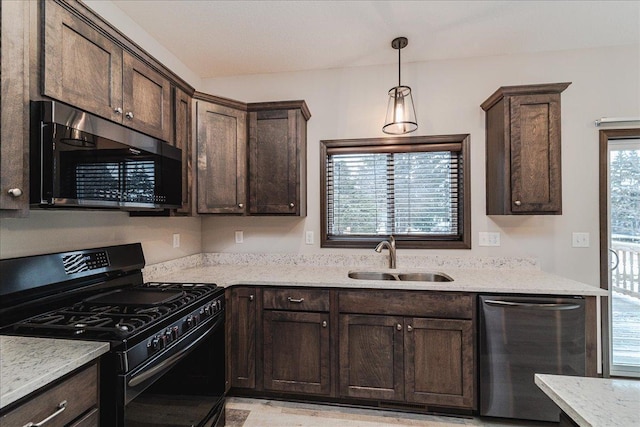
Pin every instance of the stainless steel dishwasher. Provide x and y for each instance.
(520, 336)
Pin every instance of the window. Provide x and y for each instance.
(414, 188)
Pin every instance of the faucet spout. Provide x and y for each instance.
(391, 245)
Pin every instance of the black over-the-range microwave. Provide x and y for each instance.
(79, 160)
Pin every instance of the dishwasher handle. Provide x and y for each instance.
(537, 306)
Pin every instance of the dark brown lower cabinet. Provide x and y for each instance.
(243, 337)
(413, 360)
(296, 352)
(370, 353)
(438, 362)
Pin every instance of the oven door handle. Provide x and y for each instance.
(167, 363)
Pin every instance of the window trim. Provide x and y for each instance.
(461, 142)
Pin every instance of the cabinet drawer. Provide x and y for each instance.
(296, 299)
(407, 303)
(80, 393)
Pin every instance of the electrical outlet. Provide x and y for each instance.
(176, 240)
(489, 239)
(239, 236)
(580, 240)
(308, 238)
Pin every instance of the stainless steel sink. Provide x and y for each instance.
(425, 277)
(409, 277)
(371, 275)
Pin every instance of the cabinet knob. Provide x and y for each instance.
(409, 328)
(399, 327)
(15, 192)
(292, 205)
(324, 323)
(250, 297)
(517, 203)
(118, 110)
(241, 205)
(129, 115)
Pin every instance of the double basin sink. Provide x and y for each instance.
(412, 277)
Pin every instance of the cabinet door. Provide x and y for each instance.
(243, 337)
(81, 66)
(439, 362)
(274, 162)
(182, 140)
(371, 361)
(535, 153)
(146, 99)
(222, 158)
(14, 109)
(296, 352)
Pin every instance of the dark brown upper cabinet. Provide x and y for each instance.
(221, 141)
(277, 158)
(523, 150)
(182, 140)
(83, 67)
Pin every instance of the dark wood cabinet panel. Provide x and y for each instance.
(81, 66)
(296, 352)
(277, 158)
(84, 67)
(243, 337)
(371, 357)
(80, 391)
(14, 109)
(146, 99)
(523, 165)
(221, 158)
(439, 362)
(182, 140)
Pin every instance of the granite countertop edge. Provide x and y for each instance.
(28, 363)
(594, 402)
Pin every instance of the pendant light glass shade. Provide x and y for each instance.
(401, 115)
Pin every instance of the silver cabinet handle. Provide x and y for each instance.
(324, 323)
(15, 192)
(409, 328)
(129, 115)
(250, 297)
(399, 327)
(292, 205)
(241, 205)
(517, 203)
(118, 110)
(297, 301)
(59, 409)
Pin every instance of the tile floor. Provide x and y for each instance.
(244, 412)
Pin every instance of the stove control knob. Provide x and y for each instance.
(154, 344)
(212, 307)
(188, 323)
(175, 332)
(168, 335)
(163, 340)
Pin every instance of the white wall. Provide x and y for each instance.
(351, 103)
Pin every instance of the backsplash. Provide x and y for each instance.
(337, 260)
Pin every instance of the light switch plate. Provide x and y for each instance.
(580, 240)
(308, 237)
(489, 238)
(176, 240)
(239, 236)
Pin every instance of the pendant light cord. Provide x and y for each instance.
(399, 62)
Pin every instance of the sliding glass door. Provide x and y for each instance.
(621, 181)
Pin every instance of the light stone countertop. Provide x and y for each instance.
(529, 281)
(594, 402)
(27, 364)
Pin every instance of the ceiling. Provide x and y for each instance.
(228, 38)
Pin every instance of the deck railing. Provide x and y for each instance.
(625, 278)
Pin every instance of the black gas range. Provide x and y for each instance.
(166, 339)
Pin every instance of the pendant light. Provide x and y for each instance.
(401, 116)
